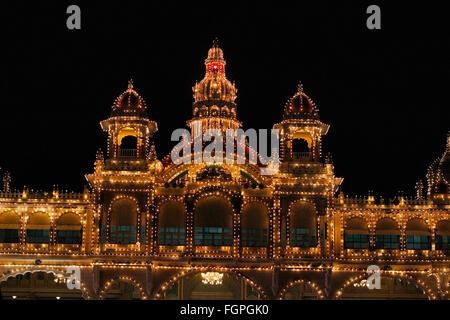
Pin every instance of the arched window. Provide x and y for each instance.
(254, 225)
(417, 235)
(38, 228)
(9, 228)
(387, 234)
(300, 145)
(213, 222)
(172, 224)
(443, 235)
(68, 229)
(203, 111)
(303, 225)
(356, 234)
(225, 112)
(123, 222)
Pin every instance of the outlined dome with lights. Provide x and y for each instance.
(300, 106)
(129, 103)
(215, 88)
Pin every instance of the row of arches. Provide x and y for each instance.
(194, 285)
(214, 111)
(38, 228)
(214, 223)
(416, 235)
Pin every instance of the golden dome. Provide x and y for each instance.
(129, 103)
(215, 86)
(300, 106)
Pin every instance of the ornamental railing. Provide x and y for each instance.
(302, 156)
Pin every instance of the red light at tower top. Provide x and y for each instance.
(215, 67)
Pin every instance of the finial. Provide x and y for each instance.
(300, 86)
(216, 42)
(130, 84)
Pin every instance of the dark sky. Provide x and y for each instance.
(384, 92)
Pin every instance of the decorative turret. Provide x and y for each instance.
(438, 176)
(6, 182)
(301, 130)
(129, 130)
(214, 104)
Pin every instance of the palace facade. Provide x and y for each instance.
(150, 229)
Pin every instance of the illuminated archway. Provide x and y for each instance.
(213, 222)
(393, 287)
(356, 234)
(302, 224)
(172, 224)
(10, 227)
(387, 234)
(38, 228)
(210, 284)
(123, 221)
(254, 225)
(443, 235)
(122, 288)
(69, 229)
(418, 235)
(301, 290)
(39, 285)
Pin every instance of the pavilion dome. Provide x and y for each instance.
(300, 106)
(129, 103)
(215, 87)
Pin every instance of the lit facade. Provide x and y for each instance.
(150, 229)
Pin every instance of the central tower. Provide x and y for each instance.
(214, 104)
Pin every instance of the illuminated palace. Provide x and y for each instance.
(150, 229)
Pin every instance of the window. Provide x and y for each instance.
(123, 234)
(213, 236)
(418, 242)
(9, 235)
(442, 242)
(387, 241)
(253, 237)
(301, 237)
(38, 236)
(68, 236)
(356, 241)
(172, 236)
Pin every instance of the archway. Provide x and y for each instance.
(9, 228)
(356, 234)
(172, 224)
(392, 288)
(68, 229)
(38, 285)
(213, 222)
(302, 225)
(418, 236)
(122, 289)
(127, 141)
(254, 225)
(123, 221)
(387, 234)
(38, 228)
(301, 290)
(443, 235)
(211, 285)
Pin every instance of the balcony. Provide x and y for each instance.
(302, 156)
(127, 154)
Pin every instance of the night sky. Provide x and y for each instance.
(384, 92)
